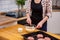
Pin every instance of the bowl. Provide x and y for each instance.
(30, 28)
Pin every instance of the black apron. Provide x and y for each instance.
(37, 11)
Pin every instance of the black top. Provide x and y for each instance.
(36, 10)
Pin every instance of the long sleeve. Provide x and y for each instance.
(49, 7)
(28, 5)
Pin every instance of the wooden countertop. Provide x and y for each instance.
(6, 19)
(11, 33)
(2, 13)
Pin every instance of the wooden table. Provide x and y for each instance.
(6, 21)
(11, 33)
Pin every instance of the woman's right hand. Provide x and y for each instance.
(28, 20)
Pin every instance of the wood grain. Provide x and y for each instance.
(11, 33)
(5, 19)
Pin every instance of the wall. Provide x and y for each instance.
(54, 23)
(54, 2)
(7, 5)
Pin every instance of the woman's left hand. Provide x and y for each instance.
(39, 25)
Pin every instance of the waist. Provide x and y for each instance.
(37, 18)
(37, 13)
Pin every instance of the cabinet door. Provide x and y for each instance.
(54, 23)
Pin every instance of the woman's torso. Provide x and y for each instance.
(36, 10)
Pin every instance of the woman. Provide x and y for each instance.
(41, 10)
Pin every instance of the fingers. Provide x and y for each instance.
(29, 21)
(39, 26)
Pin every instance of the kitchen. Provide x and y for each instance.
(7, 6)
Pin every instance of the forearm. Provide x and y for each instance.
(44, 20)
(28, 15)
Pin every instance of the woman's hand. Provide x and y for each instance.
(28, 20)
(39, 25)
